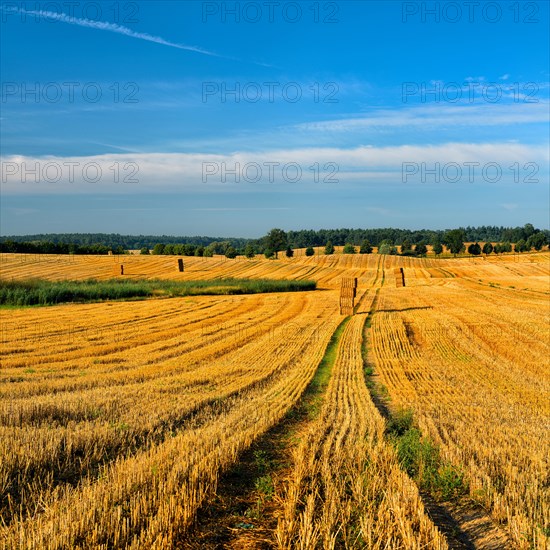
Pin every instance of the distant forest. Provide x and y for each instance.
(114, 240)
(340, 237)
(101, 243)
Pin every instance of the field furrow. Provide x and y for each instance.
(464, 381)
(346, 488)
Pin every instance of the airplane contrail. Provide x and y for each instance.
(113, 27)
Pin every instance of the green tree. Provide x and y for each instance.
(199, 251)
(144, 251)
(268, 253)
(310, 251)
(385, 247)
(366, 247)
(249, 251)
(536, 241)
(520, 246)
(454, 240)
(488, 248)
(421, 249)
(349, 249)
(474, 249)
(230, 253)
(329, 248)
(188, 249)
(528, 230)
(210, 250)
(406, 246)
(289, 252)
(506, 247)
(276, 240)
(437, 247)
(218, 247)
(158, 249)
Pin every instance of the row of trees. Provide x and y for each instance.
(366, 248)
(224, 248)
(340, 237)
(454, 240)
(296, 239)
(521, 246)
(277, 241)
(48, 247)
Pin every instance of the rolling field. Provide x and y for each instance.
(119, 420)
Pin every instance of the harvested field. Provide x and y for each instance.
(117, 419)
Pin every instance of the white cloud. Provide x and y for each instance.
(173, 172)
(504, 77)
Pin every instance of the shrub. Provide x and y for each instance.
(349, 249)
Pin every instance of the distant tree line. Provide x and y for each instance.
(340, 237)
(48, 247)
(114, 240)
(389, 241)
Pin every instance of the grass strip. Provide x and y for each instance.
(33, 292)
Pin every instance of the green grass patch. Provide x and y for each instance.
(421, 458)
(312, 398)
(418, 455)
(33, 292)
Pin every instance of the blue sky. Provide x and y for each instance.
(229, 118)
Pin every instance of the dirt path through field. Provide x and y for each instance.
(243, 514)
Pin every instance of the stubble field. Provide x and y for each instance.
(119, 420)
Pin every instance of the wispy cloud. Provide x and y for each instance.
(439, 115)
(111, 27)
